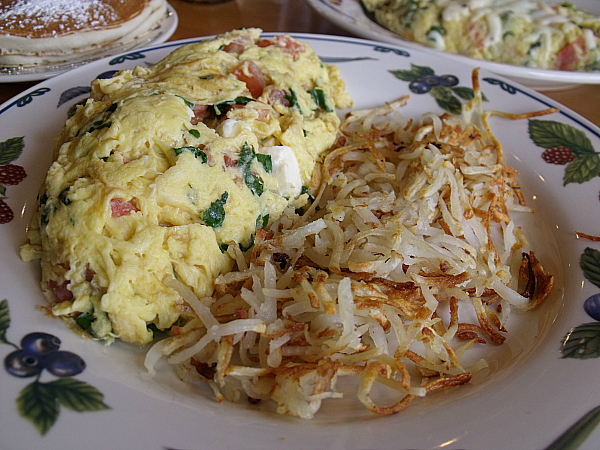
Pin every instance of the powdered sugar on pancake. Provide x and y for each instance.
(54, 31)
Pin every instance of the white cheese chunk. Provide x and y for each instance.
(286, 170)
(231, 128)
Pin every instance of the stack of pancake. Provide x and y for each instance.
(35, 32)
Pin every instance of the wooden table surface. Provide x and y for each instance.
(296, 16)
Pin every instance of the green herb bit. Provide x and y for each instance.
(318, 96)
(152, 327)
(246, 156)
(304, 190)
(245, 248)
(266, 162)
(98, 126)
(187, 103)
(223, 247)
(215, 215)
(85, 320)
(437, 29)
(194, 133)
(63, 197)
(254, 183)
(293, 99)
(262, 221)
(195, 151)
(221, 108)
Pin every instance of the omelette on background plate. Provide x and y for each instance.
(165, 167)
(526, 33)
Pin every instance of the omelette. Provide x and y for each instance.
(523, 32)
(166, 169)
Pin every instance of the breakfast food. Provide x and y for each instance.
(407, 259)
(168, 170)
(526, 33)
(34, 32)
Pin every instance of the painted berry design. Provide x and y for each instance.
(6, 214)
(40, 355)
(444, 88)
(10, 174)
(568, 146)
(560, 155)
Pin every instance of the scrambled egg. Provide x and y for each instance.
(165, 167)
(520, 32)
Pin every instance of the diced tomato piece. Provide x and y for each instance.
(567, 58)
(286, 43)
(252, 75)
(60, 291)
(200, 112)
(120, 207)
(278, 96)
(238, 45)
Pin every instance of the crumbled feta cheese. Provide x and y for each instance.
(286, 170)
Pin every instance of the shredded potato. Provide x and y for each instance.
(409, 233)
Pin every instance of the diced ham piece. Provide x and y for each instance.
(120, 207)
(278, 96)
(567, 58)
(200, 112)
(252, 75)
(229, 161)
(60, 291)
(89, 274)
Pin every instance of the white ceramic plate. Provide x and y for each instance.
(157, 36)
(533, 394)
(350, 15)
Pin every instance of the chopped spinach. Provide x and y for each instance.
(187, 103)
(85, 320)
(63, 197)
(194, 133)
(220, 109)
(293, 99)
(246, 156)
(195, 151)
(215, 214)
(253, 182)
(266, 162)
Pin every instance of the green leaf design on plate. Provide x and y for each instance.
(590, 264)
(37, 403)
(441, 93)
(414, 74)
(464, 92)
(40, 402)
(548, 134)
(452, 105)
(77, 395)
(11, 149)
(582, 342)
(584, 167)
(578, 432)
(4, 321)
